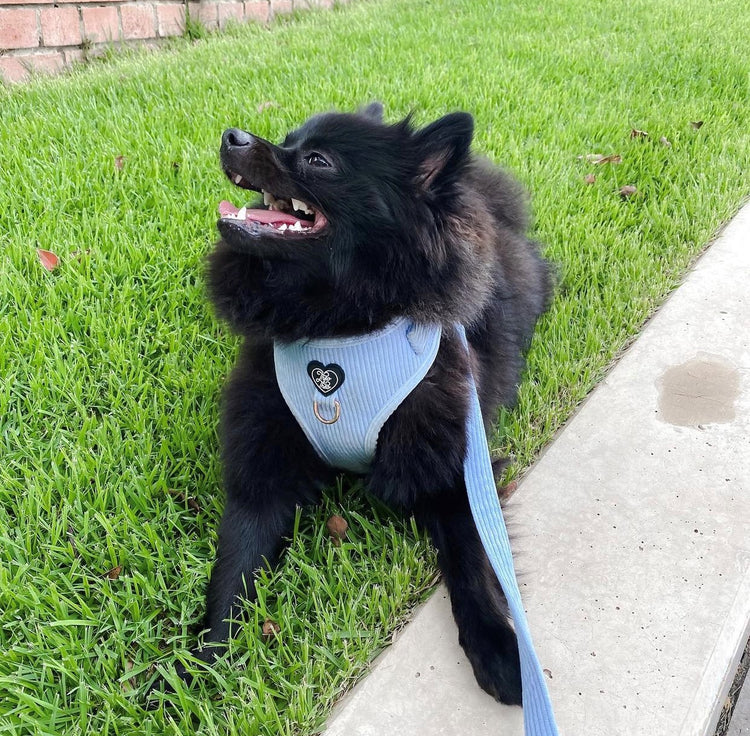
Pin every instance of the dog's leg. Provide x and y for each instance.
(269, 470)
(478, 603)
(419, 468)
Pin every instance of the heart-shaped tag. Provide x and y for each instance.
(327, 378)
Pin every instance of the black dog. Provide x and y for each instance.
(365, 223)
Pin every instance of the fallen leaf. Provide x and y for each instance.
(638, 133)
(267, 105)
(337, 527)
(506, 491)
(191, 502)
(589, 179)
(665, 142)
(114, 573)
(270, 629)
(598, 158)
(696, 124)
(119, 162)
(628, 191)
(78, 253)
(613, 158)
(49, 260)
(126, 685)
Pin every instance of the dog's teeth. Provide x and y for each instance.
(282, 227)
(297, 226)
(301, 206)
(267, 198)
(237, 178)
(241, 213)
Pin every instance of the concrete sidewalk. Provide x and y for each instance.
(632, 541)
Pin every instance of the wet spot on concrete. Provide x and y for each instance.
(701, 391)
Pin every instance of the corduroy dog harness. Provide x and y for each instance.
(342, 391)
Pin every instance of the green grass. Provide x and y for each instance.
(111, 365)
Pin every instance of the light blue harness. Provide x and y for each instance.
(342, 391)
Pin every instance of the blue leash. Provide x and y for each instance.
(538, 718)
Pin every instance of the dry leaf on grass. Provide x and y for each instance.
(49, 260)
(599, 158)
(506, 491)
(114, 573)
(634, 133)
(119, 162)
(665, 142)
(128, 684)
(191, 502)
(589, 179)
(267, 105)
(628, 191)
(337, 527)
(613, 158)
(270, 629)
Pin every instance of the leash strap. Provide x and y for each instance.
(538, 718)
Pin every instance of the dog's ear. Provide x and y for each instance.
(443, 146)
(373, 111)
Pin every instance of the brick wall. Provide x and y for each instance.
(46, 36)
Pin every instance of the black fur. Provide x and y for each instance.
(416, 226)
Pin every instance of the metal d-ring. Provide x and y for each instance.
(336, 412)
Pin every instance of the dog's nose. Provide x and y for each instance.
(234, 137)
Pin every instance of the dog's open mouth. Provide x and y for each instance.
(281, 216)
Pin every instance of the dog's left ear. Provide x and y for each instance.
(443, 146)
(374, 111)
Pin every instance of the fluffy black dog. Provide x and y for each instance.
(363, 223)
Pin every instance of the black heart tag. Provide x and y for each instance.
(327, 378)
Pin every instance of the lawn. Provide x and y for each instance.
(111, 364)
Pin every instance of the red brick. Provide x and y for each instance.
(257, 11)
(229, 11)
(206, 13)
(100, 24)
(47, 63)
(281, 7)
(60, 3)
(12, 69)
(138, 21)
(18, 29)
(60, 26)
(72, 56)
(170, 19)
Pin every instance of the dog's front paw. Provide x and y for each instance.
(201, 659)
(493, 653)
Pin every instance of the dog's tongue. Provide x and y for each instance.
(266, 217)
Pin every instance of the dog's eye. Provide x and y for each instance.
(317, 159)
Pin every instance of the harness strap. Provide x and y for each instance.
(538, 717)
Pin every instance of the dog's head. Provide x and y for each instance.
(358, 221)
(340, 183)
